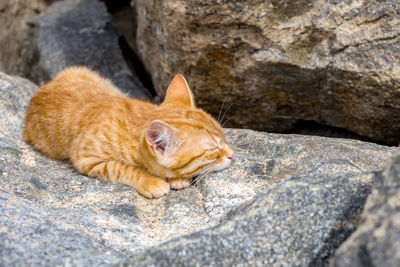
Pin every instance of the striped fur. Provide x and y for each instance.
(82, 117)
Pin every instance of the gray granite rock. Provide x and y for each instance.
(76, 32)
(287, 200)
(308, 206)
(281, 62)
(377, 240)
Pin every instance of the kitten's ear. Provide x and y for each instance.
(160, 138)
(178, 91)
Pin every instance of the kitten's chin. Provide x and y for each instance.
(222, 166)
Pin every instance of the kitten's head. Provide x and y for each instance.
(185, 141)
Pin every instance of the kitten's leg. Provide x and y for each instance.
(146, 184)
(179, 183)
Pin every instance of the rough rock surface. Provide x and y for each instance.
(287, 199)
(377, 240)
(76, 32)
(278, 62)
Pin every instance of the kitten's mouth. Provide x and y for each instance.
(213, 168)
(219, 167)
(224, 165)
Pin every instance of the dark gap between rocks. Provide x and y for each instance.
(136, 66)
(305, 127)
(124, 17)
(113, 6)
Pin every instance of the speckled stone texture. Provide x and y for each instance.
(377, 240)
(280, 62)
(76, 32)
(287, 200)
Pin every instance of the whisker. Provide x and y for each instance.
(219, 114)
(201, 176)
(226, 122)
(209, 170)
(198, 177)
(226, 111)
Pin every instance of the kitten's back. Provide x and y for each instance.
(53, 114)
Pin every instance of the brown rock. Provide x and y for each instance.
(13, 17)
(333, 62)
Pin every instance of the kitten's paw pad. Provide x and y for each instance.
(179, 183)
(153, 188)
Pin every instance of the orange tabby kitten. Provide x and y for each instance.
(83, 117)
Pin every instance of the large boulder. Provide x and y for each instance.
(281, 62)
(76, 32)
(287, 199)
(377, 240)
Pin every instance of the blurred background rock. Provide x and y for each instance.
(13, 18)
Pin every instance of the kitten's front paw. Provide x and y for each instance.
(179, 183)
(153, 187)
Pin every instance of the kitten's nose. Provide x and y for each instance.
(230, 156)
